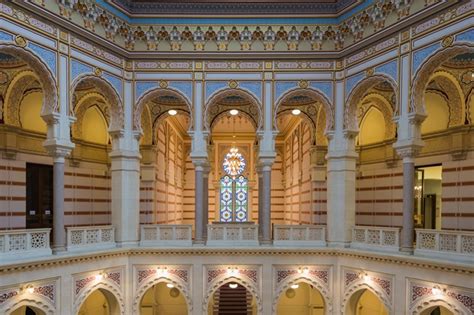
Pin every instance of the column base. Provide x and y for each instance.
(339, 244)
(127, 244)
(407, 250)
(58, 249)
(266, 242)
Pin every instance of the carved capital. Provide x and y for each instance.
(58, 150)
(416, 118)
(409, 151)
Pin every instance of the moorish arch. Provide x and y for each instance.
(109, 94)
(34, 301)
(19, 85)
(84, 103)
(381, 104)
(232, 98)
(48, 82)
(316, 109)
(354, 292)
(226, 279)
(168, 278)
(423, 76)
(298, 278)
(111, 292)
(174, 100)
(450, 86)
(422, 306)
(360, 91)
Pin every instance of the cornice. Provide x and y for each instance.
(242, 55)
(399, 259)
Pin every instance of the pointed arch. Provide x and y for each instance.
(382, 104)
(169, 278)
(432, 301)
(14, 95)
(318, 285)
(32, 300)
(421, 78)
(47, 82)
(453, 90)
(107, 91)
(81, 107)
(223, 280)
(104, 286)
(310, 111)
(212, 110)
(359, 286)
(154, 93)
(359, 92)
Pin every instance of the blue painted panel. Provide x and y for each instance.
(6, 37)
(467, 36)
(184, 87)
(253, 87)
(323, 87)
(48, 56)
(390, 69)
(114, 81)
(78, 68)
(282, 87)
(142, 87)
(421, 55)
(352, 82)
(212, 87)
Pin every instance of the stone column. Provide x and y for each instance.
(408, 154)
(201, 202)
(125, 185)
(265, 212)
(341, 173)
(260, 195)
(205, 206)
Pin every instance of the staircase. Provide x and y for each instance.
(228, 301)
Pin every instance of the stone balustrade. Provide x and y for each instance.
(376, 238)
(166, 235)
(235, 234)
(90, 237)
(24, 243)
(445, 244)
(299, 235)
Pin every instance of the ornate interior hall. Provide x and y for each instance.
(211, 157)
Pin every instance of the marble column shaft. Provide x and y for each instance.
(408, 205)
(205, 200)
(265, 213)
(260, 198)
(199, 205)
(59, 232)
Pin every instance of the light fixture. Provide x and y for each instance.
(295, 286)
(233, 112)
(30, 290)
(296, 111)
(233, 285)
(304, 270)
(366, 278)
(170, 285)
(98, 277)
(161, 271)
(436, 291)
(172, 112)
(232, 271)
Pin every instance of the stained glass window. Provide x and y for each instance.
(234, 189)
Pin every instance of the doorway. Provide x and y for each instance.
(428, 197)
(39, 196)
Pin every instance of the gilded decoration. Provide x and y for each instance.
(21, 41)
(446, 82)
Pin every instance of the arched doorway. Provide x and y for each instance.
(232, 298)
(100, 302)
(28, 310)
(365, 302)
(164, 299)
(437, 310)
(301, 299)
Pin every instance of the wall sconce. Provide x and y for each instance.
(233, 285)
(161, 271)
(30, 289)
(295, 286)
(170, 285)
(232, 271)
(437, 291)
(304, 270)
(99, 277)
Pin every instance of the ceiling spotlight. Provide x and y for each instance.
(172, 112)
(295, 286)
(233, 285)
(30, 290)
(296, 111)
(170, 285)
(233, 112)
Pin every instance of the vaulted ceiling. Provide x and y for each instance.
(234, 7)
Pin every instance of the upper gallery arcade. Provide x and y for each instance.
(311, 156)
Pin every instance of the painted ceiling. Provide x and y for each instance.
(234, 7)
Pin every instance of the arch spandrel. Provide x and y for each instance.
(42, 71)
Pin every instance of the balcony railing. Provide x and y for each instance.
(299, 235)
(166, 235)
(90, 237)
(24, 243)
(445, 244)
(236, 234)
(378, 238)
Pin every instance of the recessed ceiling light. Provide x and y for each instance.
(295, 286)
(170, 285)
(233, 285)
(233, 112)
(296, 111)
(172, 112)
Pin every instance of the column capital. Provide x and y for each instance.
(408, 150)
(265, 163)
(200, 163)
(416, 118)
(58, 149)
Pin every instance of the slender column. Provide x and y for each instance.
(201, 174)
(265, 212)
(260, 195)
(59, 233)
(205, 205)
